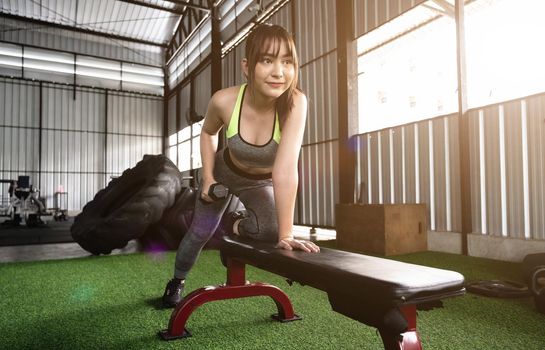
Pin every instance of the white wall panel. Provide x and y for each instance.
(316, 79)
(124, 151)
(19, 134)
(514, 170)
(385, 166)
(426, 155)
(492, 168)
(315, 28)
(282, 18)
(410, 144)
(536, 165)
(424, 168)
(19, 102)
(134, 114)
(171, 127)
(185, 104)
(316, 42)
(73, 137)
(239, 55)
(476, 159)
(318, 173)
(228, 69)
(135, 128)
(202, 95)
(454, 169)
(396, 161)
(68, 156)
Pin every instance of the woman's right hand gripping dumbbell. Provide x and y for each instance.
(213, 191)
(205, 188)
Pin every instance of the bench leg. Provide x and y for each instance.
(409, 340)
(236, 287)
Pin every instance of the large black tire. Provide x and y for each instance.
(171, 229)
(128, 205)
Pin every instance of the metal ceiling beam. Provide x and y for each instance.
(80, 30)
(177, 10)
(190, 20)
(189, 4)
(446, 6)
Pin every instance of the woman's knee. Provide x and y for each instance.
(261, 229)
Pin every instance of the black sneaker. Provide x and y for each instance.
(173, 293)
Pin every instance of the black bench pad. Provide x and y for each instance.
(379, 292)
(344, 273)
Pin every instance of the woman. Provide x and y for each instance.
(265, 121)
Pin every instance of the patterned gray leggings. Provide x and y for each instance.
(254, 191)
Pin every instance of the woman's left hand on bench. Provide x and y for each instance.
(298, 244)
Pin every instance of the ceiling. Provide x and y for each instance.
(146, 21)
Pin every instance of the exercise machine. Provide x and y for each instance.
(24, 204)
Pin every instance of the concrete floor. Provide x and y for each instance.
(56, 251)
(53, 251)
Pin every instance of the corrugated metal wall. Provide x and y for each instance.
(19, 137)
(79, 150)
(316, 44)
(202, 90)
(415, 163)
(508, 167)
(135, 128)
(419, 163)
(72, 144)
(59, 39)
(369, 14)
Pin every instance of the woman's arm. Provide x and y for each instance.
(209, 143)
(285, 176)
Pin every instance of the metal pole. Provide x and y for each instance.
(346, 152)
(463, 127)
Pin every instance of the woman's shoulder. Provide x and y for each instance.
(225, 97)
(300, 103)
(223, 101)
(299, 97)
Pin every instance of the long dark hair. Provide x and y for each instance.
(270, 34)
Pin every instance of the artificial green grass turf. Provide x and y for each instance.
(109, 302)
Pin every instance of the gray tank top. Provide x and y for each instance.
(258, 156)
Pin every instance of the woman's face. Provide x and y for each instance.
(274, 72)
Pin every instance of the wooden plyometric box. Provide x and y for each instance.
(384, 229)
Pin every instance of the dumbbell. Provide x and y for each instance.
(218, 191)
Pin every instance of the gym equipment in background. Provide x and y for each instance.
(60, 202)
(24, 205)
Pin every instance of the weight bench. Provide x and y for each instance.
(378, 292)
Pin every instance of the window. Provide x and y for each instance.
(184, 147)
(407, 67)
(407, 70)
(504, 51)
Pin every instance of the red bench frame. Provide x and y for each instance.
(238, 287)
